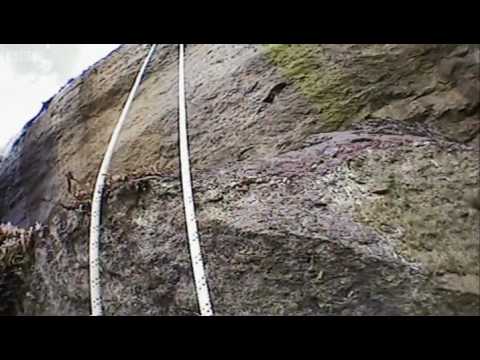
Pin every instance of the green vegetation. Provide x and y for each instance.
(322, 82)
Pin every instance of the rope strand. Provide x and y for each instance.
(95, 288)
(201, 287)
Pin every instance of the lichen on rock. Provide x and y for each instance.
(325, 84)
(350, 83)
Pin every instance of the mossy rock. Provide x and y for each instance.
(325, 84)
(350, 83)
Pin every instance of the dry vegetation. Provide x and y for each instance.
(16, 258)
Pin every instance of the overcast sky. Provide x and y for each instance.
(32, 73)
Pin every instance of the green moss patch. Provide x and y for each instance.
(348, 83)
(324, 83)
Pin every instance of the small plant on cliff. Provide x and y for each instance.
(16, 258)
(15, 245)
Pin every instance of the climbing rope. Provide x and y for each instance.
(95, 288)
(199, 277)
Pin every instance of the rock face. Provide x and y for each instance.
(328, 180)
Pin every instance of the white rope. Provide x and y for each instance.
(95, 289)
(199, 277)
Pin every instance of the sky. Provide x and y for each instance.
(33, 73)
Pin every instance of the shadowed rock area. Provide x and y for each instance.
(328, 180)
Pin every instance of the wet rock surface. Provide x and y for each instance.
(328, 179)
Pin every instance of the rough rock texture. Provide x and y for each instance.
(16, 258)
(328, 179)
